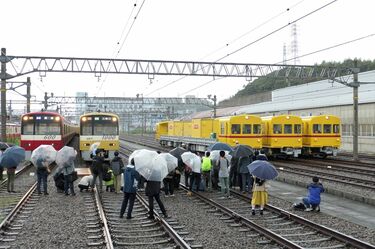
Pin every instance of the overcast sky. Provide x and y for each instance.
(189, 30)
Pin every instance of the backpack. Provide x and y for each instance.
(107, 176)
(116, 167)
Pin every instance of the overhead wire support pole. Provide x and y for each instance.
(3, 77)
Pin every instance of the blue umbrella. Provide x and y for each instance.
(241, 151)
(219, 146)
(12, 156)
(263, 170)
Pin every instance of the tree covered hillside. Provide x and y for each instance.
(265, 84)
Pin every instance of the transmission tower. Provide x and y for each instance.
(294, 43)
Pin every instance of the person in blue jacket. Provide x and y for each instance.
(312, 201)
(131, 178)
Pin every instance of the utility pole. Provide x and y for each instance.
(3, 96)
(214, 99)
(28, 94)
(46, 100)
(355, 86)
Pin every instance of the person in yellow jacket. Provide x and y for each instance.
(260, 195)
(206, 170)
(108, 179)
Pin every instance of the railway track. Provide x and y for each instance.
(277, 226)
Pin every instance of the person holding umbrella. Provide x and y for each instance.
(10, 159)
(261, 170)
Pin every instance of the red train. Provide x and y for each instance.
(45, 128)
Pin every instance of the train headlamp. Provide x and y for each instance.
(114, 119)
(57, 118)
(25, 118)
(84, 119)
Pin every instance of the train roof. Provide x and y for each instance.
(43, 112)
(100, 113)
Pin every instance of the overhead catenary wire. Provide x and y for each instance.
(123, 41)
(231, 42)
(265, 36)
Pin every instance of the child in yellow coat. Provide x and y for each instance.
(260, 195)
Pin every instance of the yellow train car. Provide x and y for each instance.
(102, 128)
(282, 135)
(240, 129)
(187, 129)
(321, 135)
(202, 127)
(175, 128)
(161, 129)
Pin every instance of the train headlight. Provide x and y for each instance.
(258, 140)
(25, 118)
(275, 139)
(315, 139)
(299, 140)
(29, 144)
(114, 119)
(84, 119)
(57, 118)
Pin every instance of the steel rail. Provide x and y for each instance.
(106, 232)
(264, 231)
(181, 243)
(16, 209)
(322, 229)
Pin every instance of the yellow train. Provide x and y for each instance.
(282, 135)
(102, 128)
(198, 134)
(321, 135)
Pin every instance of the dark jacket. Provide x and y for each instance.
(315, 189)
(97, 165)
(242, 165)
(152, 188)
(130, 174)
(120, 165)
(261, 157)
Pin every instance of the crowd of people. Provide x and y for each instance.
(208, 175)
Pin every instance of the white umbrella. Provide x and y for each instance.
(172, 161)
(150, 164)
(65, 154)
(192, 161)
(44, 152)
(94, 147)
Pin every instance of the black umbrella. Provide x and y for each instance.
(177, 152)
(241, 151)
(219, 146)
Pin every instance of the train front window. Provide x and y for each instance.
(236, 129)
(105, 125)
(257, 129)
(47, 128)
(317, 128)
(327, 128)
(277, 129)
(246, 129)
(297, 129)
(288, 129)
(336, 128)
(27, 128)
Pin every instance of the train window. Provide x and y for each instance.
(222, 128)
(297, 129)
(277, 128)
(288, 129)
(317, 128)
(246, 129)
(236, 129)
(28, 129)
(256, 129)
(327, 128)
(336, 128)
(48, 128)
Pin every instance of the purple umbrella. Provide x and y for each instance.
(263, 170)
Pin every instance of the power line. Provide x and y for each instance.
(123, 42)
(259, 39)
